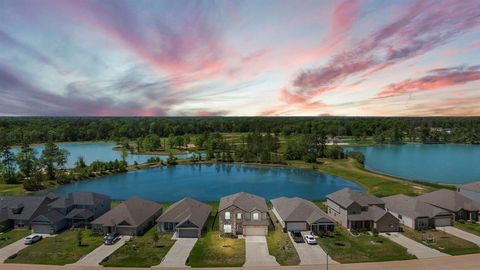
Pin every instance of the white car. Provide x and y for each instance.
(310, 239)
(32, 239)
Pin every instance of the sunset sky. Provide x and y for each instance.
(236, 58)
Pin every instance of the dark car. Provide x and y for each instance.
(297, 237)
(111, 238)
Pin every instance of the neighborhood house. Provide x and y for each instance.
(19, 211)
(462, 207)
(471, 191)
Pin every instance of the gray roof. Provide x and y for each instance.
(373, 213)
(53, 216)
(412, 207)
(187, 210)
(132, 212)
(80, 213)
(245, 201)
(475, 186)
(298, 209)
(79, 198)
(450, 200)
(345, 197)
(21, 207)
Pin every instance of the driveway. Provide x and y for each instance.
(95, 257)
(257, 252)
(311, 254)
(179, 252)
(461, 234)
(413, 247)
(15, 247)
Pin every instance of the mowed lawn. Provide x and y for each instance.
(442, 241)
(8, 237)
(343, 247)
(141, 251)
(60, 250)
(280, 246)
(469, 227)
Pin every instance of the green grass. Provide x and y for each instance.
(469, 227)
(280, 246)
(60, 250)
(8, 237)
(211, 250)
(11, 189)
(346, 248)
(141, 251)
(442, 241)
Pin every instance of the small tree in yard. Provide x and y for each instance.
(79, 238)
(156, 238)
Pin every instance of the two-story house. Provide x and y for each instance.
(355, 210)
(243, 214)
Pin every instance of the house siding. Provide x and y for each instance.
(237, 224)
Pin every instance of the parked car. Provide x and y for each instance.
(297, 237)
(111, 238)
(310, 239)
(32, 239)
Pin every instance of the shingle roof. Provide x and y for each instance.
(345, 197)
(450, 200)
(133, 212)
(21, 207)
(298, 209)
(245, 201)
(475, 186)
(411, 207)
(53, 216)
(79, 198)
(187, 209)
(80, 213)
(373, 213)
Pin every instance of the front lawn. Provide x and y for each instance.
(469, 227)
(211, 250)
(346, 248)
(141, 251)
(8, 237)
(442, 241)
(60, 250)
(280, 246)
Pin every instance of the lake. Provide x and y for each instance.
(442, 163)
(209, 182)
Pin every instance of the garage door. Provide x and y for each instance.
(255, 230)
(296, 226)
(187, 233)
(443, 221)
(43, 229)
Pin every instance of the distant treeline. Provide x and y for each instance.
(382, 130)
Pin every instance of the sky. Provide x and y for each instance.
(239, 58)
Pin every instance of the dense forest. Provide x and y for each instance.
(382, 130)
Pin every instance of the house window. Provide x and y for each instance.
(227, 228)
(227, 215)
(255, 216)
(239, 215)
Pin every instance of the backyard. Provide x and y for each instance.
(280, 246)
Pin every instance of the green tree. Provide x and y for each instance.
(172, 159)
(80, 163)
(155, 238)
(79, 238)
(8, 163)
(27, 160)
(53, 158)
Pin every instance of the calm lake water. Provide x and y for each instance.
(209, 182)
(443, 163)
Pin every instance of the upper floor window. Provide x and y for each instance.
(239, 215)
(255, 216)
(227, 215)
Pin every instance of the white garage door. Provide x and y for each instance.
(43, 229)
(296, 226)
(255, 230)
(443, 221)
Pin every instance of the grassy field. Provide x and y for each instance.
(346, 248)
(11, 189)
(8, 237)
(442, 241)
(60, 250)
(280, 246)
(141, 251)
(469, 227)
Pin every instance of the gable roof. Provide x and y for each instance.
(80, 213)
(412, 207)
(373, 213)
(133, 212)
(450, 200)
(187, 209)
(345, 197)
(298, 209)
(52, 216)
(475, 186)
(21, 207)
(245, 201)
(79, 198)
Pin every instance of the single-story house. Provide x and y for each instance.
(462, 207)
(471, 191)
(297, 214)
(187, 218)
(132, 217)
(19, 211)
(416, 214)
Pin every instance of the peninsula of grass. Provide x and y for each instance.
(343, 247)
(59, 250)
(141, 251)
(442, 241)
(280, 246)
(8, 237)
(11, 189)
(468, 226)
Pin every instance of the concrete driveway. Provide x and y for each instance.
(413, 247)
(15, 247)
(257, 252)
(311, 254)
(461, 234)
(178, 253)
(95, 257)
